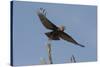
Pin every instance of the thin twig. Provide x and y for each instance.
(73, 59)
(49, 52)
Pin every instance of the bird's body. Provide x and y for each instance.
(57, 32)
(53, 35)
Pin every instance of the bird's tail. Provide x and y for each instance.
(53, 35)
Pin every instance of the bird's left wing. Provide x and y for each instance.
(47, 23)
(68, 38)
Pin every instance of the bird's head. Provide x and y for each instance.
(61, 28)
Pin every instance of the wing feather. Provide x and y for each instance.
(68, 38)
(47, 23)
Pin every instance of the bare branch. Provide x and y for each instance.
(49, 52)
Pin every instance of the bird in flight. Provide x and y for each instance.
(56, 33)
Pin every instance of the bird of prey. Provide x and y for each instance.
(56, 33)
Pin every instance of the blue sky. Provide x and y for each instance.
(29, 40)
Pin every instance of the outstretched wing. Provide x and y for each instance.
(68, 38)
(47, 23)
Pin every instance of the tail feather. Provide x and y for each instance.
(52, 35)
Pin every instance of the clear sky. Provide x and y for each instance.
(29, 40)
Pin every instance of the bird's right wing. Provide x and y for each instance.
(68, 38)
(47, 23)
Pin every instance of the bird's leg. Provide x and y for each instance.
(49, 51)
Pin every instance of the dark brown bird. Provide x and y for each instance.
(57, 32)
